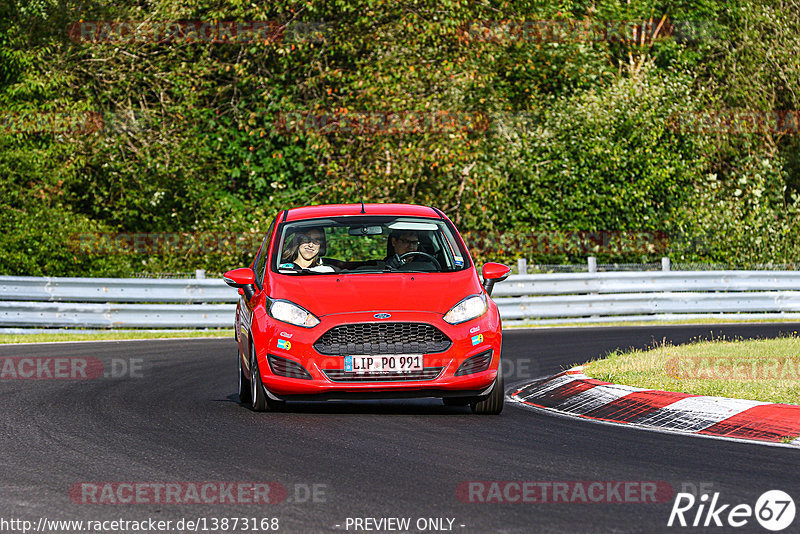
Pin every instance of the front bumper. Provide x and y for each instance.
(328, 379)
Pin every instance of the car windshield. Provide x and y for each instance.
(369, 244)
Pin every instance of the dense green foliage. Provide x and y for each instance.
(520, 140)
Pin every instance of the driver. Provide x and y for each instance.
(404, 242)
(401, 242)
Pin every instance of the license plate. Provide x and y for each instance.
(395, 363)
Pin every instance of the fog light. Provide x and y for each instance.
(288, 368)
(475, 364)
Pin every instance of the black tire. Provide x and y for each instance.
(258, 397)
(259, 400)
(493, 404)
(244, 383)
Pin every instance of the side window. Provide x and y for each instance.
(454, 251)
(261, 258)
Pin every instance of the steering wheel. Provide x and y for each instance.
(419, 252)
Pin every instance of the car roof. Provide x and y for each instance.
(339, 210)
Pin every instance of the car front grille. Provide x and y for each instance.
(428, 373)
(382, 338)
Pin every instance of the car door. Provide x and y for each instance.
(244, 316)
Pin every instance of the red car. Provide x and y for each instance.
(367, 301)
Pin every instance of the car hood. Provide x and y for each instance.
(329, 294)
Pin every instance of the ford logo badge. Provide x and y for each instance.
(382, 315)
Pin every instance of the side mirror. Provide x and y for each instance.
(493, 273)
(243, 279)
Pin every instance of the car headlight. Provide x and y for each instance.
(469, 308)
(285, 311)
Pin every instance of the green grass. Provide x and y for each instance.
(111, 335)
(765, 370)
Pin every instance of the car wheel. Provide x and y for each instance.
(259, 400)
(493, 404)
(244, 383)
(258, 397)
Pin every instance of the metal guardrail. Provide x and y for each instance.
(113, 315)
(538, 298)
(650, 295)
(186, 290)
(115, 302)
(646, 282)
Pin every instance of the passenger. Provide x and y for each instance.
(304, 251)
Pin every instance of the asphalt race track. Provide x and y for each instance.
(170, 414)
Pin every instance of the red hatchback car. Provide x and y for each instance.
(367, 301)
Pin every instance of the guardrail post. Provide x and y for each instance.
(522, 266)
(592, 261)
(665, 264)
(200, 273)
